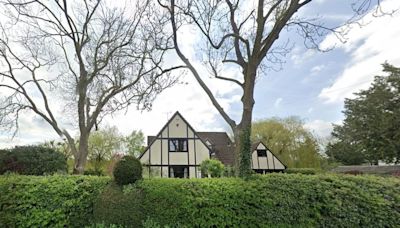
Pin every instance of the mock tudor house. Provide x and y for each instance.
(178, 150)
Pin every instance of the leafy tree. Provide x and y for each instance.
(212, 168)
(61, 147)
(370, 130)
(134, 143)
(80, 61)
(289, 140)
(102, 145)
(244, 37)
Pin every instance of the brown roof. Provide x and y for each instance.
(221, 145)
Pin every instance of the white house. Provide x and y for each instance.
(178, 150)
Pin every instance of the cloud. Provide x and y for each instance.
(368, 47)
(317, 69)
(319, 127)
(278, 102)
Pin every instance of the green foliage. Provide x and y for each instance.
(127, 170)
(370, 129)
(135, 142)
(244, 169)
(229, 171)
(61, 147)
(32, 160)
(212, 168)
(93, 172)
(102, 145)
(51, 201)
(306, 171)
(289, 140)
(274, 200)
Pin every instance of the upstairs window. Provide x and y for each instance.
(178, 145)
(262, 153)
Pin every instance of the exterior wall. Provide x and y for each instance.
(266, 163)
(158, 157)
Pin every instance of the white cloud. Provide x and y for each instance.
(319, 127)
(368, 47)
(278, 102)
(299, 55)
(317, 69)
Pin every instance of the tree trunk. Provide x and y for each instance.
(242, 131)
(81, 156)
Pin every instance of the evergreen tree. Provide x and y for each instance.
(370, 130)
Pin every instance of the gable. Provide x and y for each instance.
(268, 162)
(177, 128)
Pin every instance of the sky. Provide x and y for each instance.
(311, 85)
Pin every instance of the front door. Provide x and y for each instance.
(179, 171)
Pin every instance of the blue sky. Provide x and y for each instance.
(311, 85)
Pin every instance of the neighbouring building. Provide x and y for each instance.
(178, 150)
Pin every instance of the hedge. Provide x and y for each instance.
(276, 200)
(48, 201)
(32, 160)
(305, 171)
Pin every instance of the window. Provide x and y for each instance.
(178, 145)
(262, 153)
(179, 171)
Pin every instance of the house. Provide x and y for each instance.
(178, 150)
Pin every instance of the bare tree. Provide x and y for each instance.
(244, 34)
(82, 59)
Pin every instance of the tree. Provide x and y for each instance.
(61, 147)
(135, 142)
(243, 36)
(289, 140)
(103, 144)
(73, 63)
(370, 129)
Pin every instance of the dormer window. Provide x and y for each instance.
(262, 153)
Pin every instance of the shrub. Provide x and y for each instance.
(274, 200)
(354, 172)
(94, 172)
(32, 160)
(305, 171)
(50, 201)
(127, 170)
(229, 171)
(212, 168)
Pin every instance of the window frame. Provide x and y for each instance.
(264, 155)
(180, 146)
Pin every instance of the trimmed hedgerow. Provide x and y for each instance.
(262, 201)
(50, 201)
(32, 160)
(305, 171)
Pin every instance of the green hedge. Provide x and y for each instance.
(48, 201)
(32, 160)
(276, 200)
(282, 200)
(305, 171)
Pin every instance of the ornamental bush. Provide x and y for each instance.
(212, 168)
(32, 160)
(48, 201)
(127, 170)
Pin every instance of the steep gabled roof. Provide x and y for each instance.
(153, 138)
(255, 145)
(221, 144)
